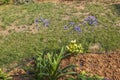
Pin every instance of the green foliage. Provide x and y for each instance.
(87, 76)
(4, 76)
(75, 48)
(5, 1)
(48, 66)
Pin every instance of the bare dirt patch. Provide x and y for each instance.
(106, 65)
(22, 28)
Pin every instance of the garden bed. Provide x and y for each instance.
(29, 29)
(105, 65)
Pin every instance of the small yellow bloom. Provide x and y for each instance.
(73, 41)
(83, 73)
(67, 47)
(0, 70)
(75, 45)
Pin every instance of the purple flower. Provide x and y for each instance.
(72, 23)
(36, 21)
(46, 22)
(95, 22)
(91, 20)
(65, 27)
(77, 28)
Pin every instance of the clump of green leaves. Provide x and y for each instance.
(87, 76)
(4, 76)
(73, 47)
(48, 66)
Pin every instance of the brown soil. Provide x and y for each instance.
(106, 65)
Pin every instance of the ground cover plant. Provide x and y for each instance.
(28, 28)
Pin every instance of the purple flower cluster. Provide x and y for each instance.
(36, 21)
(72, 23)
(36, 24)
(44, 21)
(65, 27)
(91, 20)
(73, 26)
(77, 28)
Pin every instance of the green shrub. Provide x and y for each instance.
(48, 66)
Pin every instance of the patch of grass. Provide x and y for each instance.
(19, 45)
(25, 14)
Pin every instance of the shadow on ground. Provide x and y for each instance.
(117, 8)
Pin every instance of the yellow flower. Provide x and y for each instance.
(67, 47)
(83, 72)
(75, 45)
(0, 70)
(73, 41)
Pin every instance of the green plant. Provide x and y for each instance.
(4, 76)
(73, 47)
(48, 66)
(87, 76)
(5, 1)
